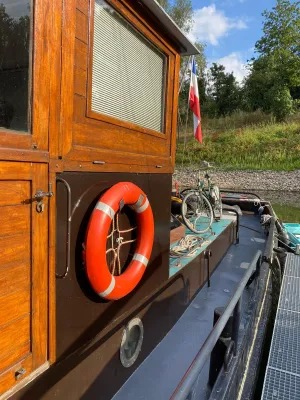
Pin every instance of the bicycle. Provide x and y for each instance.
(202, 204)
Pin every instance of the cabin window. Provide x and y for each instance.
(15, 37)
(128, 78)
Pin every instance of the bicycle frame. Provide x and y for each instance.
(205, 190)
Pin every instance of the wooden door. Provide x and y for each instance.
(23, 272)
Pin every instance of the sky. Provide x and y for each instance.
(230, 29)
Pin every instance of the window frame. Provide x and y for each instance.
(154, 40)
(36, 138)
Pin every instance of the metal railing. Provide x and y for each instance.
(237, 228)
(240, 192)
(234, 306)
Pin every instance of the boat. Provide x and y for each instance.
(293, 230)
(98, 296)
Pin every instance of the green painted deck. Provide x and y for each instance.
(176, 264)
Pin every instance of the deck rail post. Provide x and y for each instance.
(236, 324)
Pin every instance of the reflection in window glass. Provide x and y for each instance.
(14, 64)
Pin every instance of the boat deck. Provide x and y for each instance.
(176, 264)
(282, 379)
(159, 374)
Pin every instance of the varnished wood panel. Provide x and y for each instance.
(13, 192)
(14, 305)
(175, 110)
(15, 171)
(14, 276)
(81, 26)
(52, 270)
(109, 157)
(14, 334)
(23, 270)
(39, 323)
(14, 248)
(85, 133)
(111, 167)
(8, 379)
(67, 76)
(11, 358)
(22, 155)
(99, 134)
(55, 77)
(80, 82)
(14, 219)
(83, 6)
(81, 55)
(97, 137)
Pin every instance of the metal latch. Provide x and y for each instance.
(20, 373)
(38, 197)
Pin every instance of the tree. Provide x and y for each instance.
(275, 74)
(224, 91)
(164, 4)
(259, 82)
(181, 11)
(280, 101)
(281, 40)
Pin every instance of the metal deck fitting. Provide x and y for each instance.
(282, 379)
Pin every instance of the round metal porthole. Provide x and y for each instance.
(131, 343)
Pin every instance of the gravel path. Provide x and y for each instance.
(247, 180)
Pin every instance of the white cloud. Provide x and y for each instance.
(234, 63)
(211, 24)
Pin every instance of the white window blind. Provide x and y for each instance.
(128, 76)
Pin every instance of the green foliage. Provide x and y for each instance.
(274, 80)
(268, 145)
(181, 11)
(164, 4)
(259, 82)
(273, 83)
(281, 39)
(280, 101)
(223, 92)
(287, 213)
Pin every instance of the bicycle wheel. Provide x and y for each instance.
(197, 212)
(217, 202)
(184, 192)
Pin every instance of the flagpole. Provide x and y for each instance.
(186, 120)
(179, 91)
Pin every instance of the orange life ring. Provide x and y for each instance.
(103, 282)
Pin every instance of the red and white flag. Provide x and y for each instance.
(194, 102)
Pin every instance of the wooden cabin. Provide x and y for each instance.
(88, 98)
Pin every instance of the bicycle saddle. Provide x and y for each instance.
(208, 164)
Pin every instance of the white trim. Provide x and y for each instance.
(109, 289)
(142, 208)
(139, 257)
(105, 208)
(139, 202)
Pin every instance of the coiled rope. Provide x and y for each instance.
(188, 246)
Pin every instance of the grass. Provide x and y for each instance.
(287, 213)
(265, 145)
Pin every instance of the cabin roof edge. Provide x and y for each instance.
(187, 48)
